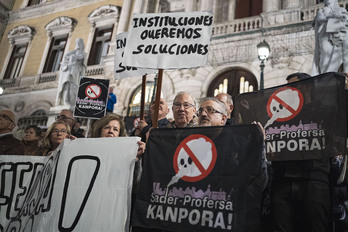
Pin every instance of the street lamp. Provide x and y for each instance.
(1, 90)
(263, 51)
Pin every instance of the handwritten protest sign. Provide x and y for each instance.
(84, 185)
(169, 41)
(122, 71)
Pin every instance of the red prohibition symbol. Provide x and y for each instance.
(93, 91)
(195, 157)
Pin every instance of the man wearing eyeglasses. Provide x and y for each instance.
(67, 117)
(9, 145)
(184, 109)
(212, 112)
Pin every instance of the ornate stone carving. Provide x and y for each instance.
(60, 23)
(22, 33)
(104, 11)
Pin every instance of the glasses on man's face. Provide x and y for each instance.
(208, 110)
(186, 105)
(63, 117)
(5, 117)
(56, 131)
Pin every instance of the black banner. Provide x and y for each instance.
(91, 98)
(201, 179)
(303, 120)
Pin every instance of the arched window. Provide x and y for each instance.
(134, 105)
(233, 82)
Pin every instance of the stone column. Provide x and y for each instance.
(207, 5)
(270, 5)
(124, 17)
(189, 6)
(138, 6)
(232, 10)
(292, 4)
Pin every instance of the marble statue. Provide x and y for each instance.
(72, 68)
(331, 39)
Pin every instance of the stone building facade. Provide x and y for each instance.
(40, 32)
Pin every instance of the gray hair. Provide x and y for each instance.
(222, 106)
(182, 93)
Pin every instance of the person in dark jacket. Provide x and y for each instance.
(143, 127)
(9, 145)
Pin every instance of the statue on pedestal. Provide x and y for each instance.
(72, 68)
(331, 39)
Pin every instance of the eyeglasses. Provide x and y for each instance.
(4, 116)
(185, 104)
(208, 110)
(59, 131)
(63, 117)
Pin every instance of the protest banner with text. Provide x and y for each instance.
(122, 71)
(201, 179)
(169, 40)
(84, 185)
(302, 120)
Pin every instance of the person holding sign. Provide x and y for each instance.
(212, 112)
(143, 127)
(112, 126)
(55, 135)
(184, 109)
(300, 197)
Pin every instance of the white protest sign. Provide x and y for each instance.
(122, 71)
(85, 185)
(169, 40)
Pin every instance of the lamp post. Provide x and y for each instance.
(263, 51)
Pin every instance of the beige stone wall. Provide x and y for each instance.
(82, 29)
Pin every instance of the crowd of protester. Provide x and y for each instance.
(300, 190)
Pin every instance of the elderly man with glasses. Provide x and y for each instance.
(9, 145)
(212, 112)
(67, 117)
(184, 109)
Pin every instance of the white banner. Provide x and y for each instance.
(169, 40)
(122, 71)
(85, 185)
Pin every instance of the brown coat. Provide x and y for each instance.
(31, 147)
(9, 145)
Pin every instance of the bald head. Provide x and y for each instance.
(228, 102)
(7, 121)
